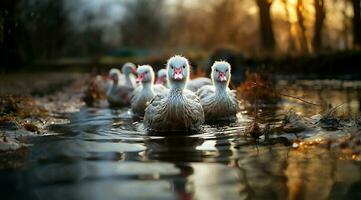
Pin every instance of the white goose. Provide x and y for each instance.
(178, 109)
(192, 85)
(118, 95)
(146, 91)
(218, 101)
(128, 75)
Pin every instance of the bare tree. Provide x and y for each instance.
(9, 49)
(300, 19)
(143, 23)
(266, 30)
(46, 27)
(346, 24)
(356, 21)
(291, 45)
(320, 15)
(225, 13)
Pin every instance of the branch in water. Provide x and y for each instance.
(286, 95)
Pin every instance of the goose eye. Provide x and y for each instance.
(217, 70)
(184, 66)
(172, 67)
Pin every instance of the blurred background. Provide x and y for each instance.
(319, 38)
(296, 66)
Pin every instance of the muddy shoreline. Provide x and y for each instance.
(30, 105)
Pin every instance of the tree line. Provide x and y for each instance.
(32, 30)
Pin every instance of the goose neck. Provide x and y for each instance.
(177, 85)
(115, 82)
(128, 81)
(147, 86)
(221, 88)
(112, 87)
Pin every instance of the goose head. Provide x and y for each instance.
(114, 75)
(161, 76)
(177, 72)
(129, 68)
(221, 73)
(145, 74)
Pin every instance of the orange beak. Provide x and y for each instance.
(178, 74)
(222, 77)
(140, 78)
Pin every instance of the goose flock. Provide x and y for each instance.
(174, 103)
(120, 91)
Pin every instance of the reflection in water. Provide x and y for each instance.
(327, 92)
(105, 154)
(215, 181)
(173, 149)
(318, 172)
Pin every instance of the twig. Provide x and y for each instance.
(332, 110)
(286, 95)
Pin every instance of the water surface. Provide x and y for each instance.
(105, 154)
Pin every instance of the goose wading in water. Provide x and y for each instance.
(192, 85)
(146, 91)
(178, 110)
(118, 95)
(218, 101)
